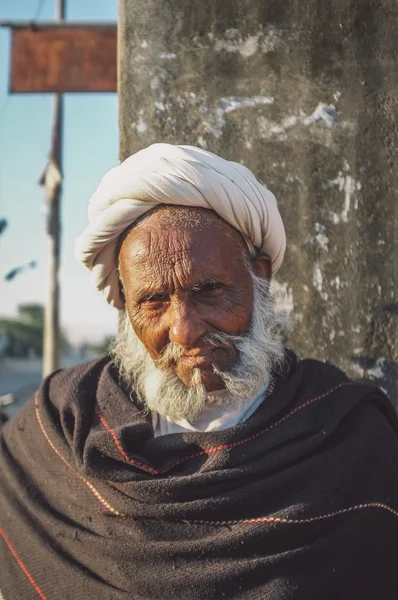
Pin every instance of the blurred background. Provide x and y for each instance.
(25, 138)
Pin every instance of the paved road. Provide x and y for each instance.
(21, 377)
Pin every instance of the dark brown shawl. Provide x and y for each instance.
(301, 501)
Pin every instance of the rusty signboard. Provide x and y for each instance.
(63, 59)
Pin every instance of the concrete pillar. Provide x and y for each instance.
(305, 93)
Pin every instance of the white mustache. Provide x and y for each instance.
(172, 353)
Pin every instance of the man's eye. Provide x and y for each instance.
(209, 288)
(156, 298)
(212, 287)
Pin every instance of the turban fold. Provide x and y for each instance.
(179, 175)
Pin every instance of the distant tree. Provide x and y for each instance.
(101, 347)
(31, 313)
(25, 334)
(23, 339)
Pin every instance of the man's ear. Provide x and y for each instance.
(121, 284)
(262, 267)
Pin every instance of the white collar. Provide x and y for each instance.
(221, 413)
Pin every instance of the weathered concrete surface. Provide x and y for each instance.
(305, 93)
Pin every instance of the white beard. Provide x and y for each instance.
(259, 351)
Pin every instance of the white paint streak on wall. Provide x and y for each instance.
(231, 103)
(317, 281)
(270, 40)
(322, 240)
(323, 112)
(214, 121)
(271, 129)
(288, 122)
(202, 142)
(377, 371)
(140, 126)
(156, 83)
(211, 117)
(283, 297)
(233, 42)
(321, 237)
(291, 125)
(249, 46)
(349, 186)
(291, 178)
(167, 55)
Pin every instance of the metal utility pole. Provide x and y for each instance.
(51, 181)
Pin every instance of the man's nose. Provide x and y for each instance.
(186, 326)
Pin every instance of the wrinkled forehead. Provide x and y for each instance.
(176, 228)
(179, 217)
(170, 246)
(159, 247)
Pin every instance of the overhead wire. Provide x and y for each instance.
(38, 10)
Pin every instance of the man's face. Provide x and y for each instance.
(181, 285)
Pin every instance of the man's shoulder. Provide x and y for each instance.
(99, 362)
(89, 369)
(76, 381)
(312, 372)
(323, 399)
(325, 373)
(312, 379)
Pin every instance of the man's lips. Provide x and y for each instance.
(203, 357)
(199, 351)
(194, 359)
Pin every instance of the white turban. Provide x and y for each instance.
(181, 175)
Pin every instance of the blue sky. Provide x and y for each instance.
(90, 149)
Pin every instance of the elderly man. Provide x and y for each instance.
(203, 460)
